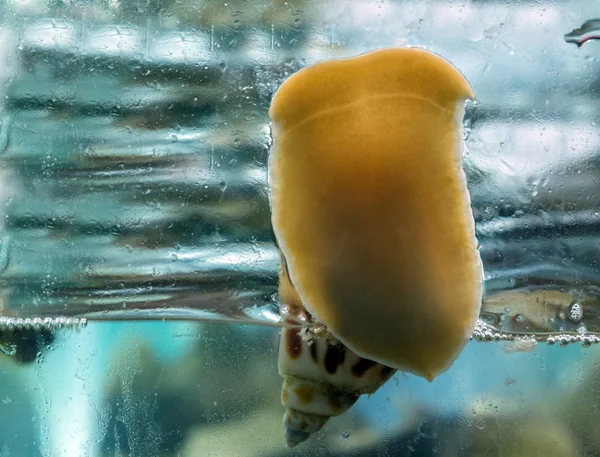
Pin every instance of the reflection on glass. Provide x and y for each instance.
(133, 147)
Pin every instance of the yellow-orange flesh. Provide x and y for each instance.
(370, 205)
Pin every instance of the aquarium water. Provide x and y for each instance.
(139, 314)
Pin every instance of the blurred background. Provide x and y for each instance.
(134, 139)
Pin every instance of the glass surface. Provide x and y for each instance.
(134, 139)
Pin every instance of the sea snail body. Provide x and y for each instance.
(372, 216)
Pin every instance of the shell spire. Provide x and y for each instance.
(322, 377)
(371, 211)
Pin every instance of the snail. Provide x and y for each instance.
(372, 216)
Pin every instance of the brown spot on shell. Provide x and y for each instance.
(305, 393)
(288, 419)
(361, 367)
(334, 357)
(314, 355)
(293, 342)
(296, 314)
(284, 395)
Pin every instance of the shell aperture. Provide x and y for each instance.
(370, 206)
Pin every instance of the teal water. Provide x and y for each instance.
(188, 389)
(134, 139)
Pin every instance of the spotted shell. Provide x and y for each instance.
(322, 377)
(372, 216)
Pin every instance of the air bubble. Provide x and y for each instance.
(564, 341)
(48, 323)
(586, 341)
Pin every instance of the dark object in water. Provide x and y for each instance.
(589, 30)
(24, 345)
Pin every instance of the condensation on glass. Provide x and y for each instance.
(134, 140)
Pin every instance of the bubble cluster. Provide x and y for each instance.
(37, 323)
(575, 313)
(485, 333)
(564, 340)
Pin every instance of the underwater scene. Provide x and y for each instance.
(164, 292)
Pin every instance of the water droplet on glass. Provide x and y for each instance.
(4, 133)
(467, 126)
(4, 257)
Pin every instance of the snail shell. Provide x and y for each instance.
(322, 377)
(372, 216)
